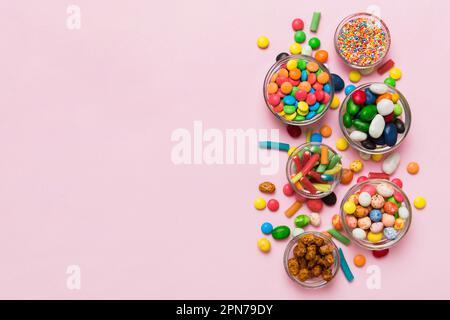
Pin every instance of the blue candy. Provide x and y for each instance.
(310, 115)
(338, 83)
(349, 89)
(375, 215)
(289, 100)
(312, 90)
(266, 228)
(390, 233)
(316, 137)
(379, 141)
(304, 76)
(327, 88)
(390, 134)
(370, 97)
(314, 107)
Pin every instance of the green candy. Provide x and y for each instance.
(315, 149)
(294, 90)
(361, 125)
(334, 161)
(390, 81)
(289, 109)
(300, 36)
(352, 108)
(392, 199)
(314, 43)
(398, 110)
(321, 168)
(301, 64)
(396, 215)
(299, 118)
(321, 108)
(347, 119)
(301, 221)
(368, 113)
(281, 232)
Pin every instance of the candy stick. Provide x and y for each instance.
(306, 168)
(274, 145)
(298, 165)
(327, 177)
(385, 67)
(305, 157)
(315, 22)
(335, 170)
(324, 187)
(315, 149)
(308, 135)
(308, 185)
(339, 236)
(324, 155)
(316, 176)
(293, 209)
(344, 266)
(334, 161)
(321, 168)
(378, 175)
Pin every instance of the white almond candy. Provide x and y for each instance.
(358, 136)
(378, 88)
(391, 163)
(376, 126)
(314, 219)
(403, 212)
(385, 190)
(359, 233)
(385, 107)
(306, 50)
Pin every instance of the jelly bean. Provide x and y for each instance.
(358, 136)
(368, 113)
(349, 89)
(273, 205)
(341, 144)
(370, 97)
(378, 88)
(338, 82)
(374, 237)
(315, 22)
(390, 81)
(376, 127)
(359, 97)
(260, 204)
(347, 176)
(295, 48)
(399, 125)
(368, 144)
(361, 179)
(359, 260)
(281, 55)
(364, 199)
(336, 222)
(302, 220)
(321, 56)
(361, 125)
(264, 245)
(297, 24)
(397, 182)
(330, 200)
(390, 208)
(364, 156)
(359, 234)
(352, 107)
(347, 120)
(385, 107)
(380, 253)
(349, 207)
(420, 202)
(412, 168)
(390, 134)
(281, 232)
(354, 76)
(314, 219)
(266, 228)
(263, 42)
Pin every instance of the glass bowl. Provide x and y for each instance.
(384, 243)
(348, 53)
(272, 74)
(316, 282)
(321, 186)
(405, 117)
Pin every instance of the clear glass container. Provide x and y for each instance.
(372, 21)
(275, 68)
(313, 283)
(384, 243)
(291, 170)
(405, 117)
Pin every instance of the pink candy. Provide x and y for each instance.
(369, 189)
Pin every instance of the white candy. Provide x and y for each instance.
(378, 88)
(385, 107)
(314, 219)
(358, 136)
(306, 50)
(364, 199)
(403, 213)
(364, 156)
(391, 163)
(385, 190)
(359, 233)
(376, 126)
(297, 231)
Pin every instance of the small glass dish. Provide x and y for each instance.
(357, 53)
(272, 74)
(314, 282)
(384, 243)
(405, 117)
(297, 157)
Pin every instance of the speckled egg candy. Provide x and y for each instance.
(364, 223)
(388, 220)
(390, 233)
(390, 208)
(370, 189)
(403, 213)
(359, 234)
(376, 227)
(364, 199)
(385, 190)
(352, 222)
(377, 201)
(375, 215)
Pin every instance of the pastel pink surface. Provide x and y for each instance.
(86, 175)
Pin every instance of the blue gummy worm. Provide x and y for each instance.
(274, 145)
(345, 268)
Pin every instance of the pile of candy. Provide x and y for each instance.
(377, 212)
(372, 116)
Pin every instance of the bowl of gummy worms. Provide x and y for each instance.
(298, 90)
(375, 118)
(376, 214)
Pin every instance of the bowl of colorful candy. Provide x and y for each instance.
(362, 40)
(376, 214)
(298, 90)
(314, 170)
(311, 259)
(375, 118)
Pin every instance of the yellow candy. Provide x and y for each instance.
(420, 202)
(356, 165)
(395, 73)
(341, 144)
(335, 103)
(395, 97)
(291, 64)
(263, 42)
(302, 107)
(290, 117)
(291, 150)
(295, 48)
(281, 113)
(264, 245)
(399, 224)
(349, 207)
(377, 157)
(260, 203)
(354, 76)
(374, 237)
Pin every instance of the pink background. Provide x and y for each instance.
(86, 176)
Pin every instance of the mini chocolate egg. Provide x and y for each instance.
(364, 199)
(359, 233)
(390, 233)
(390, 207)
(352, 222)
(385, 190)
(376, 227)
(375, 215)
(314, 219)
(388, 220)
(403, 212)
(364, 223)
(377, 201)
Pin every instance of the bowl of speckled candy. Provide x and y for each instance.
(298, 90)
(362, 41)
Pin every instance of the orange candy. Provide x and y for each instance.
(359, 260)
(305, 86)
(295, 74)
(286, 87)
(347, 176)
(386, 95)
(283, 73)
(326, 131)
(323, 78)
(272, 87)
(274, 77)
(321, 56)
(279, 107)
(412, 168)
(312, 66)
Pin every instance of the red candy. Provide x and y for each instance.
(361, 179)
(273, 205)
(326, 98)
(298, 24)
(397, 182)
(389, 118)
(280, 80)
(300, 198)
(359, 97)
(398, 196)
(312, 78)
(274, 100)
(385, 67)
(378, 175)
(300, 95)
(288, 190)
(317, 86)
(294, 131)
(311, 99)
(380, 253)
(319, 95)
(294, 82)
(315, 205)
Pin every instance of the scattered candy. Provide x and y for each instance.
(335, 103)
(359, 260)
(397, 182)
(267, 187)
(341, 144)
(315, 205)
(338, 82)
(336, 222)
(363, 155)
(306, 50)
(264, 245)
(347, 176)
(300, 36)
(356, 165)
(377, 157)
(266, 228)
(349, 88)
(345, 268)
(380, 253)
(260, 204)
(274, 145)
(354, 76)
(413, 168)
(295, 48)
(294, 131)
(288, 190)
(361, 179)
(293, 209)
(314, 43)
(321, 56)
(281, 232)
(390, 81)
(420, 202)
(315, 22)
(273, 205)
(281, 55)
(391, 163)
(298, 24)
(263, 42)
(339, 236)
(329, 200)
(395, 73)
(297, 231)
(326, 131)
(302, 220)
(378, 175)
(385, 67)
(314, 219)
